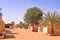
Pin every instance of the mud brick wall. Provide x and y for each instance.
(1, 18)
(11, 26)
(49, 30)
(35, 28)
(2, 26)
(56, 31)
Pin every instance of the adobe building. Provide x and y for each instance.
(46, 29)
(33, 27)
(10, 25)
(2, 24)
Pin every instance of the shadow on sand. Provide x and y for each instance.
(53, 35)
(9, 34)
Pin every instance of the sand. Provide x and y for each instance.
(25, 34)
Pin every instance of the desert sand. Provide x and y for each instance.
(25, 34)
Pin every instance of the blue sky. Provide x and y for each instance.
(14, 10)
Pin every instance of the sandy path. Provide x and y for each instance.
(25, 34)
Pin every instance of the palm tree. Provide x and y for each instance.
(51, 18)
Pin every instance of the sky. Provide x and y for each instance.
(14, 10)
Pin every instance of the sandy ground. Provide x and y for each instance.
(25, 34)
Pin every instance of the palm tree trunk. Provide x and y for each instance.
(52, 29)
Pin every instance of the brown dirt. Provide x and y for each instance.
(25, 34)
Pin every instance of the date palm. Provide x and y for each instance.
(51, 18)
